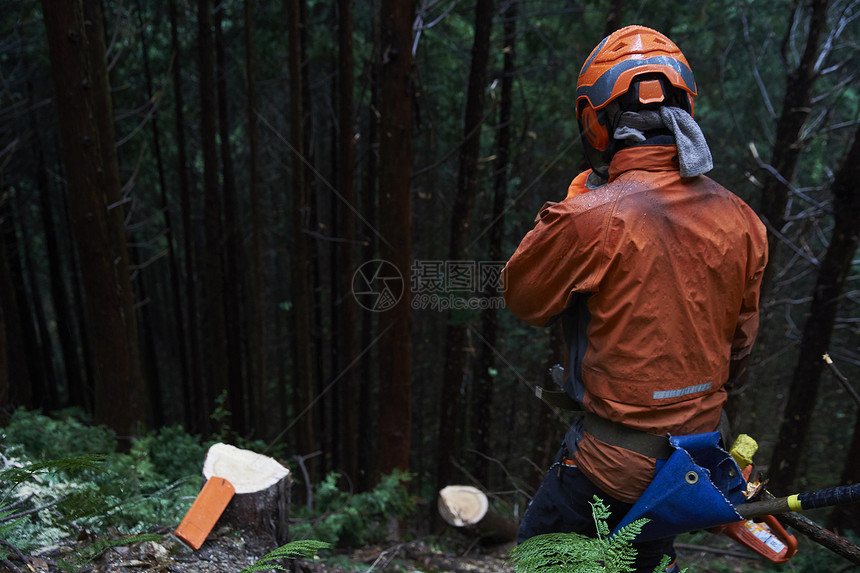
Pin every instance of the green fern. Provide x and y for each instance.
(5, 551)
(71, 466)
(576, 553)
(303, 548)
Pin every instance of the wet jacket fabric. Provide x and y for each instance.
(662, 275)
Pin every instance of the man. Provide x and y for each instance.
(654, 270)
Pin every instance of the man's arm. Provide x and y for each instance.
(562, 255)
(748, 320)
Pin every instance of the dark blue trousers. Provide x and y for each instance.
(562, 505)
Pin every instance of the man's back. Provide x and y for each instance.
(671, 269)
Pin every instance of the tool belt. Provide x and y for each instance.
(612, 433)
(650, 445)
(615, 434)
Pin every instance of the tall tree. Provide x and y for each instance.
(483, 395)
(195, 393)
(173, 265)
(796, 107)
(467, 189)
(818, 329)
(365, 368)
(216, 343)
(72, 369)
(258, 297)
(346, 232)
(396, 95)
(30, 377)
(613, 18)
(15, 389)
(301, 264)
(77, 51)
(233, 284)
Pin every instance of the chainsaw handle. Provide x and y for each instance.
(787, 538)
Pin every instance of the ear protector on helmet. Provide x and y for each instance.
(594, 127)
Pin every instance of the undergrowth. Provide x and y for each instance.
(66, 479)
(62, 479)
(354, 519)
(573, 552)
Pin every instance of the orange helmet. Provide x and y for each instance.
(637, 66)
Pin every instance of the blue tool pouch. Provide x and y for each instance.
(696, 488)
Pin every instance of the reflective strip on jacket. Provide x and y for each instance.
(671, 269)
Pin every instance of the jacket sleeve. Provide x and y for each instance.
(748, 319)
(562, 255)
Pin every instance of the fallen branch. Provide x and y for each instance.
(842, 379)
(824, 537)
(17, 553)
(12, 516)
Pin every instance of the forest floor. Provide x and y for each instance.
(227, 552)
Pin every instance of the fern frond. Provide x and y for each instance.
(600, 513)
(629, 532)
(6, 527)
(556, 553)
(72, 465)
(302, 548)
(663, 565)
(576, 553)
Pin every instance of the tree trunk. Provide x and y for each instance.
(346, 221)
(469, 507)
(45, 388)
(395, 159)
(796, 107)
(233, 284)
(149, 362)
(14, 368)
(301, 264)
(213, 308)
(195, 394)
(258, 297)
(77, 50)
(262, 503)
(613, 19)
(175, 283)
(20, 318)
(367, 380)
(483, 395)
(77, 295)
(818, 330)
(456, 363)
(244, 491)
(75, 387)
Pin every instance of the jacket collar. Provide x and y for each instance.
(644, 158)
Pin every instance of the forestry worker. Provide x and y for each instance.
(654, 270)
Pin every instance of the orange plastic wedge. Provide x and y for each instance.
(205, 511)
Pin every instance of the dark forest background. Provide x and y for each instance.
(256, 219)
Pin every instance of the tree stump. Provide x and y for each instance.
(261, 505)
(467, 507)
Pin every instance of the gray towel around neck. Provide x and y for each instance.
(694, 156)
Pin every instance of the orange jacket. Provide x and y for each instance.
(671, 269)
